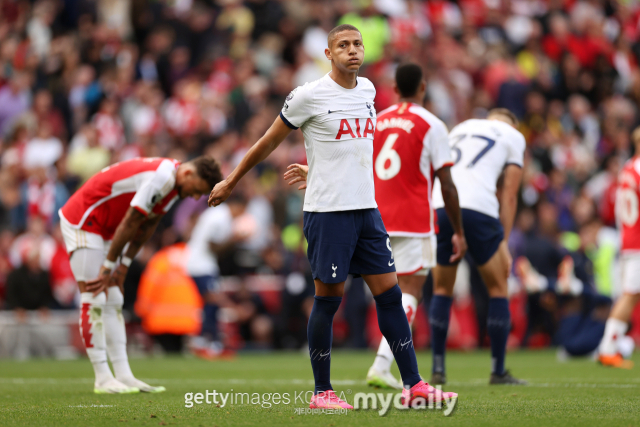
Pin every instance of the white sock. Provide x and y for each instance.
(116, 334)
(384, 357)
(613, 330)
(93, 335)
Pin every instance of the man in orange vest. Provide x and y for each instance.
(168, 301)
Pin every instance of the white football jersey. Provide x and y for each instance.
(481, 149)
(338, 126)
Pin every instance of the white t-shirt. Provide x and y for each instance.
(213, 226)
(338, 126)
(42, 152)
(481, 149)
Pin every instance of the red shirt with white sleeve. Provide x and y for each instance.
(409, 145)
(146, 184)
(627, 200)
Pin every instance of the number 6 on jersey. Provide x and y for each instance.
(387, 152)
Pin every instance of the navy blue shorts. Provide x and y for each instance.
(347, 242)
(483, 233)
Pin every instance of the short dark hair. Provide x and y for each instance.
(208, 169)
(408, 79)
(339, 29)
(505, 113)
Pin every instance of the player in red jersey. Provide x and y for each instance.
(410, 148)
(627, 216)
(120, 207)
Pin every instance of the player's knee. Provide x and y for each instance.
(412, 285)
(115, 297)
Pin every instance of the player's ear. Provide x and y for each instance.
(396, 90)
(327, 53)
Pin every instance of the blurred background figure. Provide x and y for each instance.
(214, 235)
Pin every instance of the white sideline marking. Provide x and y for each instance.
(567, 382)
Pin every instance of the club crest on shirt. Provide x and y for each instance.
(290, 96)
(370, 109)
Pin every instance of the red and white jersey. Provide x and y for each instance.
(410, 144)
(146, 184)
(627, 197)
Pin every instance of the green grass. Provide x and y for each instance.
(574, 393)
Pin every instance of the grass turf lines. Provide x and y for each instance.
(573, 393)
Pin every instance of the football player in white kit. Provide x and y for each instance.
(342, 224)
(410, 149)
(482, 150)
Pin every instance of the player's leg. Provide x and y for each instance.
(85, 264)
(495, 273)
(412, 258)
(372, 259)
(330, 236)
(116, 339)
(205, 344)
(616, 326)
(444, 278)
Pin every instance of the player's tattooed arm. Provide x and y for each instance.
(125, 232)
(260, 151)
(509, 197)
(452, 207)
(297, 173)
(145, 231)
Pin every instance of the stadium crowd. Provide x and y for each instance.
(84, 84)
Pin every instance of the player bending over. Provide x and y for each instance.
(120, 207)
(627, 197)
(482, 151)
(341, 221)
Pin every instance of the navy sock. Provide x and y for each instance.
(498, 327)
(210, 322)
(394, 325)
(439, 312)
(320, 335)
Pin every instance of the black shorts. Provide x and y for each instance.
(483, 233)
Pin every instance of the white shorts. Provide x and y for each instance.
(74, 238)
(630, 272)
(87, 251)
(414, 255)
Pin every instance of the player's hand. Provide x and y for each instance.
(297, 173)
(101, 284)
(220, 193)
(118, 276)
(459, 247)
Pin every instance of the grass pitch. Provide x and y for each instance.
(573, 393)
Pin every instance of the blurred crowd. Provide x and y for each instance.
(84, 84)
